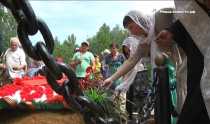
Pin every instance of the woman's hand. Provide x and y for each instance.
(107, 83)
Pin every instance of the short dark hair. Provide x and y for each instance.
(126, 20)
(114, 45)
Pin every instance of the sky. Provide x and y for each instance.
(84, 18)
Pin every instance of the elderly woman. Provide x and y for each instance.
(15, 59)
(142, 27)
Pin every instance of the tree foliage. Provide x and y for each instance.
(100, 41)
(65, 49)
(8, 28)
(104, 37)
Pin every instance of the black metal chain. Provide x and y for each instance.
(28, 24)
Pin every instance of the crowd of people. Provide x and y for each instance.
(121, 72)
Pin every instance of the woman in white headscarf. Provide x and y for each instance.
(15, 59)
(142, 27)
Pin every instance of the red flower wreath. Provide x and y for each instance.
(29, 93)
(8, 90)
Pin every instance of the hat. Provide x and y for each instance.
(85, 42)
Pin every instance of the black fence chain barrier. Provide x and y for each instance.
(28, 24)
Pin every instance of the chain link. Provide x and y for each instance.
(28, 24)
(6, 3)
(67, 89)
(26, 43)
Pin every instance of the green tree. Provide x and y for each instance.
(118, 35)
(104, 37)
(101, 40)
(8, 28)
(57, 47)
(66, 49)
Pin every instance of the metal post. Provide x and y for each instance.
(163, 101)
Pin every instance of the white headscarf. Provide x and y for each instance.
(146, 22)
(15, 40)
